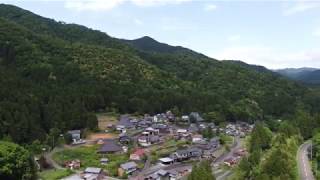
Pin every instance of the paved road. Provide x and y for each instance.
(48, 156)
(219, 160)
(305, 171)
(236, 145)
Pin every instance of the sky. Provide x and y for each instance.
(272, 33)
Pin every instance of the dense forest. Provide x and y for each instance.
(55, 75)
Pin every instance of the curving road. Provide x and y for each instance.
(305, 172)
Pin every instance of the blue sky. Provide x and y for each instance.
(275, 34)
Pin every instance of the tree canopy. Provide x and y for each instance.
(16, 162)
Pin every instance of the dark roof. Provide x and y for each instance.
(125, 121)
(74, 132)
(109, 146)
(193, 128)
(184, 151)
(159, 126)
(215, 140)
(162, 172)
(154, 138)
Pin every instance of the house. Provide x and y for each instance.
(137, 155)
(152, 131)
(202, 126)
(124, 139)
(74, 164)
(186, 154)
(144, 123)
(185, 118)
(161, 175)
(208, 154)
(197, 138)
(182, 131)
(195, 117)
(240, 152)
(109, 146)
(211, 145)
(193, 128)
(147, 140)
(170, 116)
(161, 128)
(166, 161)
(214, 142)
(75, 134)
(124, 123)
(127, 168)
(92, 173)
(134, 121)
(160, 118)
(180, 172)
(104, 161)
(230, 161)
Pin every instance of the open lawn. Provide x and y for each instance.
(97, 136)
(104, 119)
(54, 174)
(90, 158)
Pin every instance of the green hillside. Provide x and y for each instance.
(56, 75)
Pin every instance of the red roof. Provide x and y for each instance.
(139, 152)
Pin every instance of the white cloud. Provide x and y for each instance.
(104, 5)
(301, 6)
(210, 7)
(269, 57)
(234, 38)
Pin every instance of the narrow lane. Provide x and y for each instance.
(305, 172)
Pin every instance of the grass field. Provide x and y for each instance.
(54, 174)
(90, 158)
(104, 119)
(165, 149)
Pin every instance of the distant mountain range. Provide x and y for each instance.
(305, 75)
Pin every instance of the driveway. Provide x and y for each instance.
(304, 167)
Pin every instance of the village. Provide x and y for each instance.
(161, 146)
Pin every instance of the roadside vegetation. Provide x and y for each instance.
(272, 154)
(201, 171)
(54, 174)
(316, 155)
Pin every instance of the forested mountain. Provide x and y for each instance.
(146, 43)
(304, 75)
(312, 77)
(56, 75)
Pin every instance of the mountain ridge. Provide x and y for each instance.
(305, 75)
(54, 80)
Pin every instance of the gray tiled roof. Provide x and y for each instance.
(93, 170)
(109, 146)
(128, 165)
